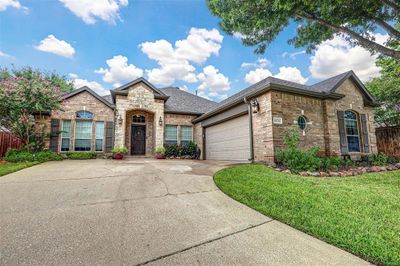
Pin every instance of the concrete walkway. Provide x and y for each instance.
(142, 211)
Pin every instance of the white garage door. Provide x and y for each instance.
(228, 140)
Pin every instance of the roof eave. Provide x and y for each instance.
(183, 113)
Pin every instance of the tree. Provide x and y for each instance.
(25, 93)
(386, 89)
(260, 21)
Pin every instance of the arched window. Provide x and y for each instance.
(352, 131)
(302, 122)
(84, 115)
(138, 119)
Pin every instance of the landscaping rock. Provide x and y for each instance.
(314, 174)
(333, 173)
(287, 171)
(383, 168)
(391, 168)
(303, 173)
(374, 169)
(323, 174)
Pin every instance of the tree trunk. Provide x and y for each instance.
(392, 31)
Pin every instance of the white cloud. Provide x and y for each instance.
(90, 10)
(175, 60)
(55, 46)
(183, 88)
(95, 86)
(4, 4)
(119, 71)
(3, 54)
(293, 55)
(238, 35)
(260, 63)
(214, 84)
(257, 75)
(287, 73)
(291, 74)
(336, 56)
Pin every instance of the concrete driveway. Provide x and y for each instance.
(142, 211)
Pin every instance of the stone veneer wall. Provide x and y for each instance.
(180, 120)
(140, 97)
(198, 138)
(79, 102)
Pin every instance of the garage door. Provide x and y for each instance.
(228, 140)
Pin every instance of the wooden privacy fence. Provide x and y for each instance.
(8, 141)
(388, 140)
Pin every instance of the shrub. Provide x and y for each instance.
(190, 150)
(160, 150)
(44, 156)
(81, 155)
(121, 150)
(19, 155)
(379, 159)
(297, 160)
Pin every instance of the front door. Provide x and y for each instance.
(138, 141)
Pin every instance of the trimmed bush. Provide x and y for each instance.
(19, 155)
(191, 150)
(120, 150)
(81, 155)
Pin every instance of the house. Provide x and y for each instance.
(335, 114)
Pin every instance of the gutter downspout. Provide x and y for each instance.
(250, 129)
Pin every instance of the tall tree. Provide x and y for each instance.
(23, 94)
(386, 89)
(260, 21)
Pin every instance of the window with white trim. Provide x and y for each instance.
(83, 135)
(65, 135)
(352, 131)
(171, 135)
(186, 134)
(99, 135)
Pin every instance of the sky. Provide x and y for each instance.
(104, 44)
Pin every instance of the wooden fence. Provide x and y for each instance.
(388, 140)
(8, 141)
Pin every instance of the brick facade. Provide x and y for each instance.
(180, 120)
(82, 101)
(322, 121)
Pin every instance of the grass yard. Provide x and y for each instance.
(360, 214)
(13, 167)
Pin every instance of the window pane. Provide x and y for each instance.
(186, 134)
(99, 144)
(301, 121)
(84, 114)
(65, 135)
(83, 135)
(66, 129)
(353, 138)
(354, 143)
(99, 135)
(65, 144)
(171, 135)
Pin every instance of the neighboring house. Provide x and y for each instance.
(335, 114)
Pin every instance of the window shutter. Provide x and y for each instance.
(54, 131)
(342, 133)
(109, 136)
(364, 131)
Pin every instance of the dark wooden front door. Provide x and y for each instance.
(138, 141)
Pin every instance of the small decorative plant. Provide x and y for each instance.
(160, 153)
(118, 152)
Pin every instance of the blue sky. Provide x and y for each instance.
(104, 44)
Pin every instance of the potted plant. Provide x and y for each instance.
(118, 152)
(160, 153)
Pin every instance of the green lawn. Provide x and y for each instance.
(13, 167)
(360, 214)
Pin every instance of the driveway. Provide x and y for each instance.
(142, 211)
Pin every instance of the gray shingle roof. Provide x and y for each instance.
(108, 98)
(180, 101)
(323, 89)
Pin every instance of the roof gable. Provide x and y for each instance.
(90, 91)
(123, 90)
